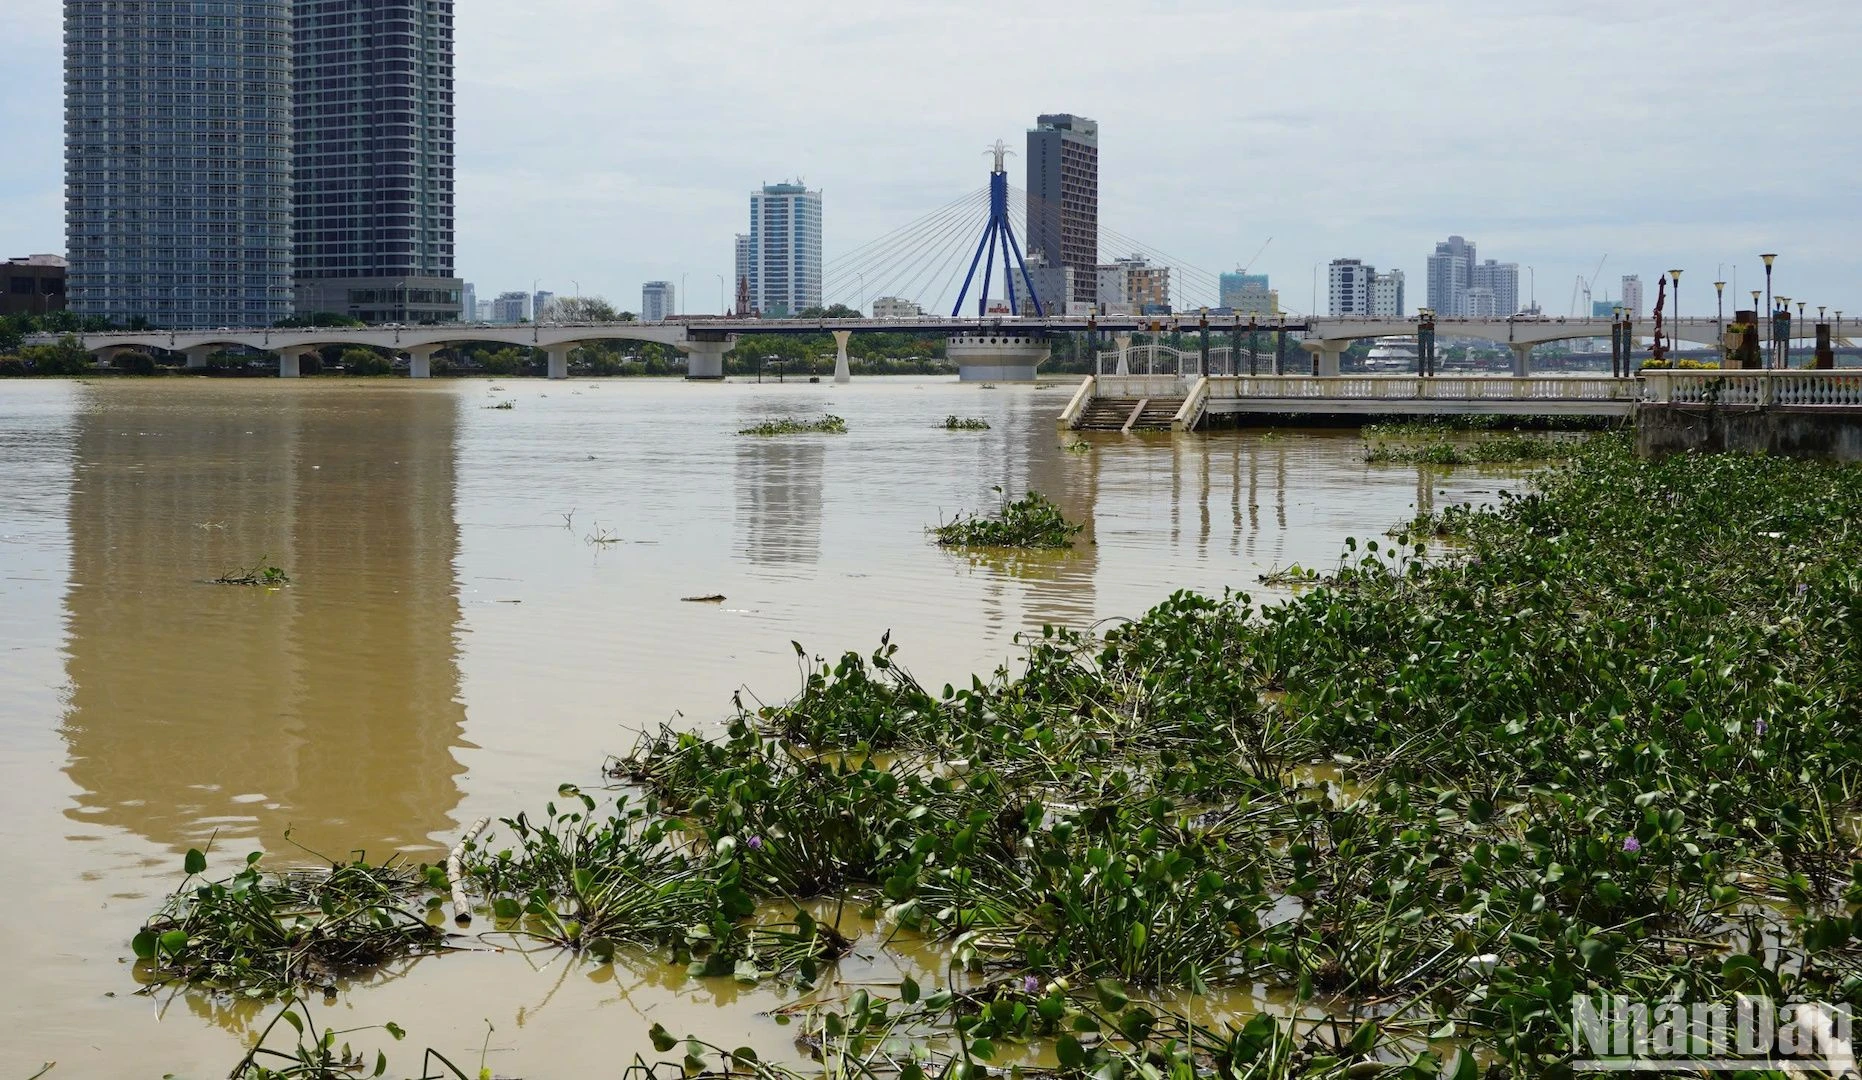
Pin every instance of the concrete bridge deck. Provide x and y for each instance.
(997, 347)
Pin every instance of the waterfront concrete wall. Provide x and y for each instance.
(1828, 432)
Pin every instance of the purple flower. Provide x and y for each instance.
(1760, 728)
(1802, 589)
(754, 843)
(1632, 845)
(1031, 984)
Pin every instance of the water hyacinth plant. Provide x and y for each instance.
(1603, 744)
(273, 933)
(963, 423)
(789, 425)
(1028, 522)
(261, 575)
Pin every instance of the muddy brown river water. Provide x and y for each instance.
(484, 603)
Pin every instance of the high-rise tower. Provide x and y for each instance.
(782, 252)
(374, 159)
(178, 161)
(1451, 270)
(1063, 199)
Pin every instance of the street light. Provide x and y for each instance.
(1772, 350)
(1532, 277)
(723, 308)
(1674, 299)
(1719, 312)
(1619, 338)
(680, 301)
(1784, 338)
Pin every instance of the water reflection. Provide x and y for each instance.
(779, 488)
(331, 708)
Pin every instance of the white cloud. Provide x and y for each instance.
(610, 144)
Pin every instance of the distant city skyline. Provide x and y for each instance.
(549, 187)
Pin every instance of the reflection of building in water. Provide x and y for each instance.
(331, 707)
(779, 485)
(1058, 588)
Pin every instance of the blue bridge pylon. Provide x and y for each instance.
(998, 229)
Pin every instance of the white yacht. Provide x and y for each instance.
(1392, 354)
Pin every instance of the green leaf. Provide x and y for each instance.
(743, 1055)
(1071, 1054)
(173, 942)
(662, 1039)
(395, 1030)
(195, 861)
(908, 990)
(144, 945)
(1111, 994)
(506, 908)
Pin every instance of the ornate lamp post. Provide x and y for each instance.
(1781, 331)
(1772, 351)
(1619, 348)
(1674, 301)
(1719, 315)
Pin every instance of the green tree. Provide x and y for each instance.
(360, 361)
(66, 357)
(583, 309)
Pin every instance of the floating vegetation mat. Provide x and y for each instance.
(965, 423)
(1406, 444)
(1028, 522)
(272, 934)
(1605, 747)
(789, 425)
(262, 575)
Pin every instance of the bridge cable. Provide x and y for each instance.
(843, 266)
(954, 236)
(878, 278)
(883, 260)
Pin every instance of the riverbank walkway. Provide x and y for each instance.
(1189, 401)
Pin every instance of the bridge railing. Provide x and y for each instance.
(1164, 360)
(1441, 387)
(1754, 388)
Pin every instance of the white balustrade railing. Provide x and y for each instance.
(1752, 388)
(1164, 360)
(1410, 387)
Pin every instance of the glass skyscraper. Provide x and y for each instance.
(374, 159)
(178, 160)
(781, 255)
(229, 162)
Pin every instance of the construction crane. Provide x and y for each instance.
(1585, 285)
(1257, 256)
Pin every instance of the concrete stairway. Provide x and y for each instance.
(1106, 414)
(1129, 414)
(1157, 414)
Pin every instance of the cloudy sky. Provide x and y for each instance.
(603, 144)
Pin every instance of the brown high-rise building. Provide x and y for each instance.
(1063, 198)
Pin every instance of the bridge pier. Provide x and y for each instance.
(705, 359)
(990, 356)
(1326, 355)
(842, 371)
(291, 361)
(559, 360)
(197, 356)
(420, 362)
(1522, 358)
